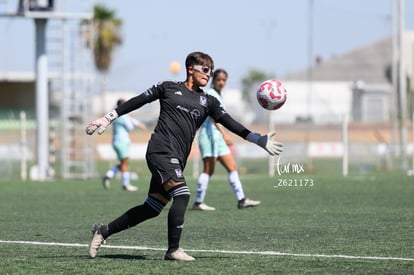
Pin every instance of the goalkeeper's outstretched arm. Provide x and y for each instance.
(132, 104)
(267, 142)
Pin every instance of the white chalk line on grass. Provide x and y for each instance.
(265, 253)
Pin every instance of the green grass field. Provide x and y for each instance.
(354, 225)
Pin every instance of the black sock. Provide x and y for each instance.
(150, 209)
(176, 217)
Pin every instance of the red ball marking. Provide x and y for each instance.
(277, 106)
(275, 96)
(263, 102)
(265, 86)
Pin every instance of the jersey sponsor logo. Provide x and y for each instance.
(178, 93)
(174, 161)
(182, 108)
(203, 101)
(179, 173)
(195, 114)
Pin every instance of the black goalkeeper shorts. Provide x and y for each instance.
(163, 167)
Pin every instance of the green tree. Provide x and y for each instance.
(250, 83)
(107, 35)
(251, 80)
(103, 34)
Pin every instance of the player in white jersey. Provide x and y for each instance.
(120, 142)
(214, 144)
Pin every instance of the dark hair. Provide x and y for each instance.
(219, 71)
(199, 58)
(120, 102)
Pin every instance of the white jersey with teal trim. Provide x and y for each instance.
(208, 127)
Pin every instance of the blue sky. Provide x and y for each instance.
(270, 35)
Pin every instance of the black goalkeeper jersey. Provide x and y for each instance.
(182, 112)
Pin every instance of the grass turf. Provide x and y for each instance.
(356, 216)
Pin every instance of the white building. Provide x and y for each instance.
(355, 83)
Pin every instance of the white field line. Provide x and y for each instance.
(267, 253)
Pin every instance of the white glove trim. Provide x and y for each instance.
(266, 142)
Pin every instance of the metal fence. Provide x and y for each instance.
(315, 148)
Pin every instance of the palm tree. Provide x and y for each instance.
(107, 35)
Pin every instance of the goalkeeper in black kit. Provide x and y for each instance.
(183, 108)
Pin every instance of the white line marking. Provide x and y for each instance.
(267, 253)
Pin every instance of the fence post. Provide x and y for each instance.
(23, 146)
(345, 160)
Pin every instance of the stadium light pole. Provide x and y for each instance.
(394, 81)
(310, 82)
(402, 90)
(310, 57)
(40, 12)
(269, 27)
(42, 101)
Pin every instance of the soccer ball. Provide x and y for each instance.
(271, 94)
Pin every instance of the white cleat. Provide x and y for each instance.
(245, 203)
(178, 255)
(203, 207)
(130, 188)
(97, 240)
